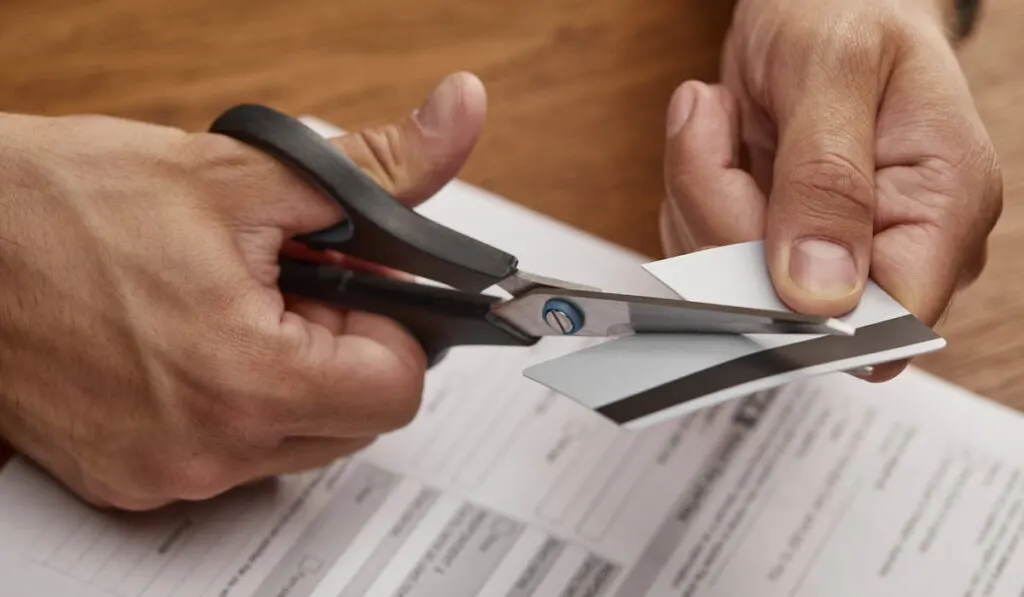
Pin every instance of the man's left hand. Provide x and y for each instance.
(844, 134)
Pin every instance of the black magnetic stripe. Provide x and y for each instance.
(886, 335)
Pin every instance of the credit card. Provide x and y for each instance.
(637, 381)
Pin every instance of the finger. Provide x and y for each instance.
(885, 371)
(411, 159)
(719, 203)
(762, 163)
(367, 379)
(317, 313)
(297, 250)
(93, 490)
(332, 318)
(415, 157)
(104, 497)
(939, 183)
(210, 474)
(675, 238)
(940, 196)
(974, 264)
(923, 265)
(359, 376)
(821, 209)
(293, 455)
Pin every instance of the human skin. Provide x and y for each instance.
(147, 356)
(845, 136)
(146, 353)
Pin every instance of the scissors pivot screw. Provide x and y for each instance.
(562, 316)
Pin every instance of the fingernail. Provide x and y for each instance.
(680, 107)
(435, 114)
(823, 268)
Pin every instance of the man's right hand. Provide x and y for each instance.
(146, 354)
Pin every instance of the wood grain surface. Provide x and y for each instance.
(577, 88)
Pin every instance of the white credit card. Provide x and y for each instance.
(640, 380)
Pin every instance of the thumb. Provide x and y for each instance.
(414, 158)
(819, 227)
(411, 158)
(711, 200)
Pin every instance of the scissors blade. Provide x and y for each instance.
(577, 312)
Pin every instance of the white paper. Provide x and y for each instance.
(642, 380)
(828, 486)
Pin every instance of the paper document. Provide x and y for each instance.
(641, 380)
(501, 488)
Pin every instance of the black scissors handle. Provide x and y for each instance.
(379, 229)
(439, 318)
(376, 227)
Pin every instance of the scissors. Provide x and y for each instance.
(377, 228)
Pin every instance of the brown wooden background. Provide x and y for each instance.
(578, 90)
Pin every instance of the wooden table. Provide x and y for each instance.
(578, 91)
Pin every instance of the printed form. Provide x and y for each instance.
(827, 486)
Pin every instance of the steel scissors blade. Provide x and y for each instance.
(379, 229)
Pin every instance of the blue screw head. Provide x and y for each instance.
(563, 316)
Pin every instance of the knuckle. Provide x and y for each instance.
(940, 177)
(241, 420)
(830, 188)
(112, 501)
(226, 171)
(231, 404)
(211, 150)
(197, 478)
(972, 189)
(179, 474)
(205, 478)
(216, 160)
(382, 156)
(90, 123)
(213, 162)
(855, 45)
(209, 408)
(249, 394)
(849, 41)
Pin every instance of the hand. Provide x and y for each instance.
(146, 354)
(845, 136)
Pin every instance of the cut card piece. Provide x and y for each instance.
(640, 380)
